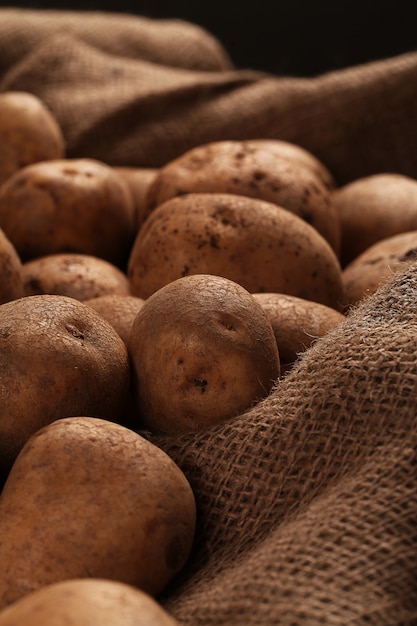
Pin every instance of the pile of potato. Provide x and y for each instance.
(162, 300)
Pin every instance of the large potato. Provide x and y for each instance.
(58, 358)
(11, 278)
(88, 498)
(202, 351)
(68, 205)
(377, 264)
(86, 602)
(255, 243)
(28, 133)
(296, 323)
(258, 169)
(374, 208)
(79, 276)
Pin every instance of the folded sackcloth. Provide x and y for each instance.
(135, 91)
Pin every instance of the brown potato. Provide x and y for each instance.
(86, 602)
(252, 242)
(202, 351)
(58, 358)
(296, 323)
(377, 264)
(68, 205)
(11, 279)
(29, 133)
(120, 311)
(374, 208)
(89, 498)
(139, 180)
(79, 276)
(255, 169)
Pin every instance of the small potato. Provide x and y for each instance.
(374, 208)
(58, 358)
(86, 602)
(11, 279)
(139, 180)
(257, 169)
(79, 276)
(296, 323)
(255, 243)
(68, 205)
(377, 264)
(202, 351)
(120, 311)
(28, 133)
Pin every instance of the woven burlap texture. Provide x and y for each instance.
(307, 503)
(111, 82)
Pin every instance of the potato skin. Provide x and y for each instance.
(68, 205)
(120, 311)
(376, 265)
(11, 279)
(202, 351)
(93, 499)
(79, 276)
(29, 133)
(58, 358)
(255, 243)
(86, 602)
(373, 208)
(296, 323)
(255, 169)
(139, 180)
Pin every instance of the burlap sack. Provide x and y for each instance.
(111, 83)
(307, 504)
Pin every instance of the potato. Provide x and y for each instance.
(58, 358)
(11, 279)
(89, 498)
(68, 205)
(251, 168)
(79, 276)
(253, 242)
(296, 323)
(377, 264)
(86, 602)
(202, 351)
(139, 180)
(29, 133)
(374, 208)
(120, 311)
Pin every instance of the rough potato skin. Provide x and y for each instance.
(28, 133)
(255, 243)
(202, 351)
(86, 602)
(257, 169)
(68, 205)
(120, 311)
(79, 276)
(11, 277)
(88, 498)
(58, 358)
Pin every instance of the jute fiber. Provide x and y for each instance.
(307, 503)
(133, 91)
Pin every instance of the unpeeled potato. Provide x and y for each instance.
(202, 351)
(89, 498)
(255, 243)
(139, 179)
(258, 169)
(86, 602)
(296, 323)
(79, 276)
(120, 311)
(11, 278)
(58, 358)
(29, 133)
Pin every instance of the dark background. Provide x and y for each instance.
(296, 37)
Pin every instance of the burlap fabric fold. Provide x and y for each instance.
(133, 91)
(307, 503)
